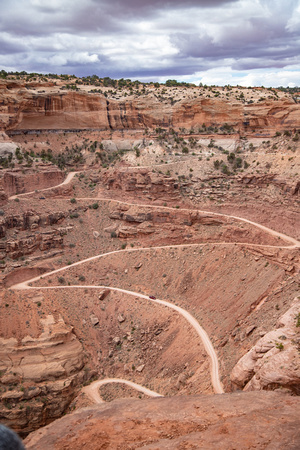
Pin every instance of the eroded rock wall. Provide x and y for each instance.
(39, 375)
(19, 183)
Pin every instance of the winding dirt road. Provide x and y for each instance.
(67, 180)
(92, 390)
(215, 380)
(293, 242)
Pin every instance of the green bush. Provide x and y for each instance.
(279, 345)
(225, 169)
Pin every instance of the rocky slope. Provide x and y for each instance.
(258, 420)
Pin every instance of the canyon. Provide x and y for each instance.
(149, 236)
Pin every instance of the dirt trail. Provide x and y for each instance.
(68, 179)
(92, 391)
(199, 330)
(294, 242)
(195, 324)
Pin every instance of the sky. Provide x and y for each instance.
(214, 42)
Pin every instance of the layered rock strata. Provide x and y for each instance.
(24, 110)
(39, 375)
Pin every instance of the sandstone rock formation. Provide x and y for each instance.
(142, 182)
(25, 246)
(16, 182)
(274, 361)
(39, 375)
(241, 420)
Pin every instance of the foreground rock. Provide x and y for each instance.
(274, 361)
(267, 420)
(38, 376)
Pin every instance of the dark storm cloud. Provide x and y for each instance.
(268, 43)
(139, 7)
(149, 39)
(7, 47)
(86, 16)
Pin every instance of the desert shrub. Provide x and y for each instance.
(225, 169)
(231, 158)
(279, 345)
(238, 163)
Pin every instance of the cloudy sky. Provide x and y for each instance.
(246, 42)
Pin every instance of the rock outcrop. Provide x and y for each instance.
(184, 225)
(39, 375)
(30, 220)
(240, 420)
(267, 179)
(16, 248)
(16, 182)
(142, 182)
(274, 361)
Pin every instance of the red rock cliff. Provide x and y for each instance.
(21, 109)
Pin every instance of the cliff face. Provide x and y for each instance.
(21, 109)
(39, 375)
(18, 183)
